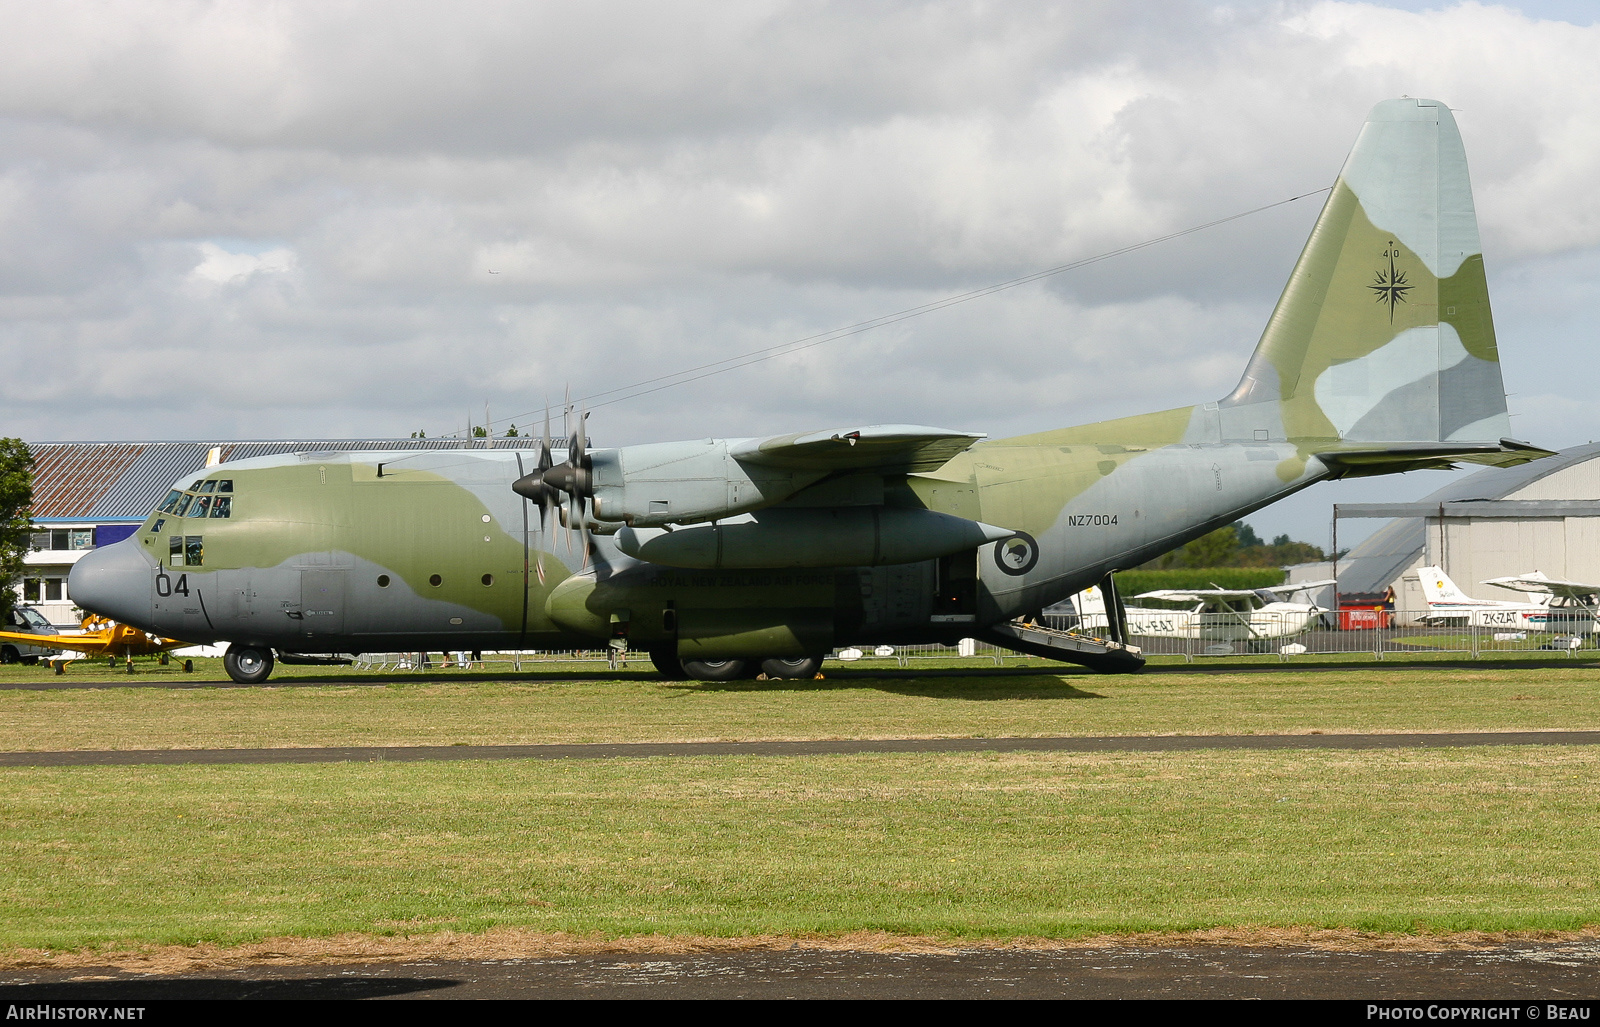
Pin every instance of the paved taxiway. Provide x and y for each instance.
(641, 750)
(1547, 972)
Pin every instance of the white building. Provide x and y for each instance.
(1501, 521)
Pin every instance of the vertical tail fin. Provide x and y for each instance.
(1437, 586)
(1383, 333)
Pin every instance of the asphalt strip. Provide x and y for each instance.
(844, 747)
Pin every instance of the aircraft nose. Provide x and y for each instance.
(114, 581)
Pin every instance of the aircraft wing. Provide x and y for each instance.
(887, 448)
(1356, 462)
(1537, 582)
(1300, 586)
(73, 642)
(1191, 595)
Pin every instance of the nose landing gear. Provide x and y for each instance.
(248, 664)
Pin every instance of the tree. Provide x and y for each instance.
(479, 432)
(1247, 535)
(16, 523)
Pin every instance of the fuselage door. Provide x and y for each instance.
(322, 595)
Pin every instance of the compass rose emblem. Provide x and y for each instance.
(1390, 285)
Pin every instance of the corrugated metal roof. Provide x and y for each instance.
(125, 480)
(67, 480)
(140, 487)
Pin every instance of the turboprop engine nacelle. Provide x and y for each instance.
(687, 482)
(850, 536)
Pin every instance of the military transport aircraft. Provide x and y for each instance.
(1255, 616)
(723, 556)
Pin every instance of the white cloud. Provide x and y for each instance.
(661, 186)
(218, 265)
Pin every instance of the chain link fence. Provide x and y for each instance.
(1372, 633)
(1363, 634)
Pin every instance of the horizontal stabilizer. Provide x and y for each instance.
(1414, 456)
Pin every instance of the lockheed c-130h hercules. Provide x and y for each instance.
(723, 556)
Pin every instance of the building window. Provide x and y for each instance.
(44, 590)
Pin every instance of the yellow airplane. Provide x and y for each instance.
(102, 637)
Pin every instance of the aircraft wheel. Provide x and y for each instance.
(248, 664)
(666, 661)
(715, 670)
(797, 667)
(8, 655)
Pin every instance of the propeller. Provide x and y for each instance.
(533, 486)
(572, 478)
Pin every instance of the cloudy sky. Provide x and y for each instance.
(270, 220)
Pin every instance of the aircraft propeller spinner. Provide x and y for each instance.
(572, 477)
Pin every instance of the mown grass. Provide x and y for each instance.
(483, 709)
(962, 846)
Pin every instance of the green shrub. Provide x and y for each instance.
(1131, 583)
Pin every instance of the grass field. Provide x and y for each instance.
(960, 846)
(991, 846)
(590, 706)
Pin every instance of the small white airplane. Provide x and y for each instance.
(1562, 606)
(1214, 615)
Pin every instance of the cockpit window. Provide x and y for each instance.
(196, 486)
(222, 506)
(209, 486)
(225, 485)
(168, 504)
(183, 504)
(34, 618)
(200, 507)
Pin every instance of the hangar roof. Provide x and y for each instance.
(1374, 564)
(112, 481)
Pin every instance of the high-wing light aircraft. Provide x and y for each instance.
(1556, 606)
(723, 555)
(1255, 616)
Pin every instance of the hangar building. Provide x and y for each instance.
(1501, 521)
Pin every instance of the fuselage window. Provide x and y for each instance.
(194, 551)
(209, 486)
(222, 506)
(383, 581)
(175, 548)
(171, 502)
(200, 507)
(435, 581)
(160, 522)
(488, 579)
(183, 504)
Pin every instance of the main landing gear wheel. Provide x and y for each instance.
(248, 664)
(715, 670)
(792, 668)
(667, 663)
